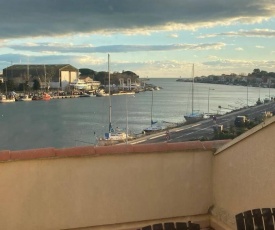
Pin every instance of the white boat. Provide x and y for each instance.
(85, 84)
(79, 84)
(101, 93)
(87, 95)
(124, 93)
(194, 115)
(25, 98)
(5, 99)
(155, 126)
(113, 136)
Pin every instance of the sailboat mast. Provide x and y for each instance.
(192, 105)
(45, 76)
(110, 105)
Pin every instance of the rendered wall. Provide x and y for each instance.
(71, 192)
(244, 176)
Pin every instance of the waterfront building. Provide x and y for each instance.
(57, 76)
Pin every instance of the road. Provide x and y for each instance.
(204, 129)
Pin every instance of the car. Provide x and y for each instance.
(241, 121)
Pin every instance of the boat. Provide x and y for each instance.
(46, 97)
(113, 136)
(155, 125)
(101, 93)
(5, 99)
(124, 93)
(79, 84)
(87, 95)
(43, 97)
(194, 116)
(25, 98)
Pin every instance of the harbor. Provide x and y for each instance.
(80, 121)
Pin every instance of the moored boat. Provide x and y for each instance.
(46, 97)
(194, 115)
(101, 93)
(113, 136)
(25, 98)
(124, 93)
(5, 99)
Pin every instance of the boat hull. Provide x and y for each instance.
(194, 118)
(7, 100)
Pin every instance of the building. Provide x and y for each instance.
(126, 187)
(50, 76)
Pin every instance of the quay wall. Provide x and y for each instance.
(108, 187)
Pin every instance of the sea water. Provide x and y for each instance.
(72, 122)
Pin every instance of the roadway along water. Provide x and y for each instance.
(73, 122)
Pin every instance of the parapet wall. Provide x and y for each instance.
(244, 174)
(98, 187)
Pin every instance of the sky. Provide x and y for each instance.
(153, 38)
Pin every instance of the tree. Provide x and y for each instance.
(87, 72)
(36, 84)
(10, 85)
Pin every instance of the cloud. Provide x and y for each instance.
(174, 35)
(31, 18)
(260, 47)
(69, 48)
(266, 33)
(239, 49)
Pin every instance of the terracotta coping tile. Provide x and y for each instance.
(7, 155)
(4, 155)
(147, 148)
(75, 151)
(113, 149)
(32, 154)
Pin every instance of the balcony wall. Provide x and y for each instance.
(244, 174)
(113, 187)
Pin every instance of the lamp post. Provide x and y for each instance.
(208, 98)
(127, 132)
(126, 119)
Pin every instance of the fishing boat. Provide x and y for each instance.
(101, 93)
(155, 125)
(43, 97)
(25, 98)
(113, 136)
(124, 93)
(5, 99)
(195, 115)
(46, 97)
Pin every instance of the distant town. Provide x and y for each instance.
(258, 78)
(64, 77)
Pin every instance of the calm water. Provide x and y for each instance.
(73, 122)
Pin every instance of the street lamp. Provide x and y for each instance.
(127, 133)
(208, 98)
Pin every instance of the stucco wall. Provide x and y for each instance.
(244, 175)
(70, 192)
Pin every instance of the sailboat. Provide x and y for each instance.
(7, 98)
(154, 124)
(112, 137)
(194, 115)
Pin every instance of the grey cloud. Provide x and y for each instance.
(26, 18)
(115, 48)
